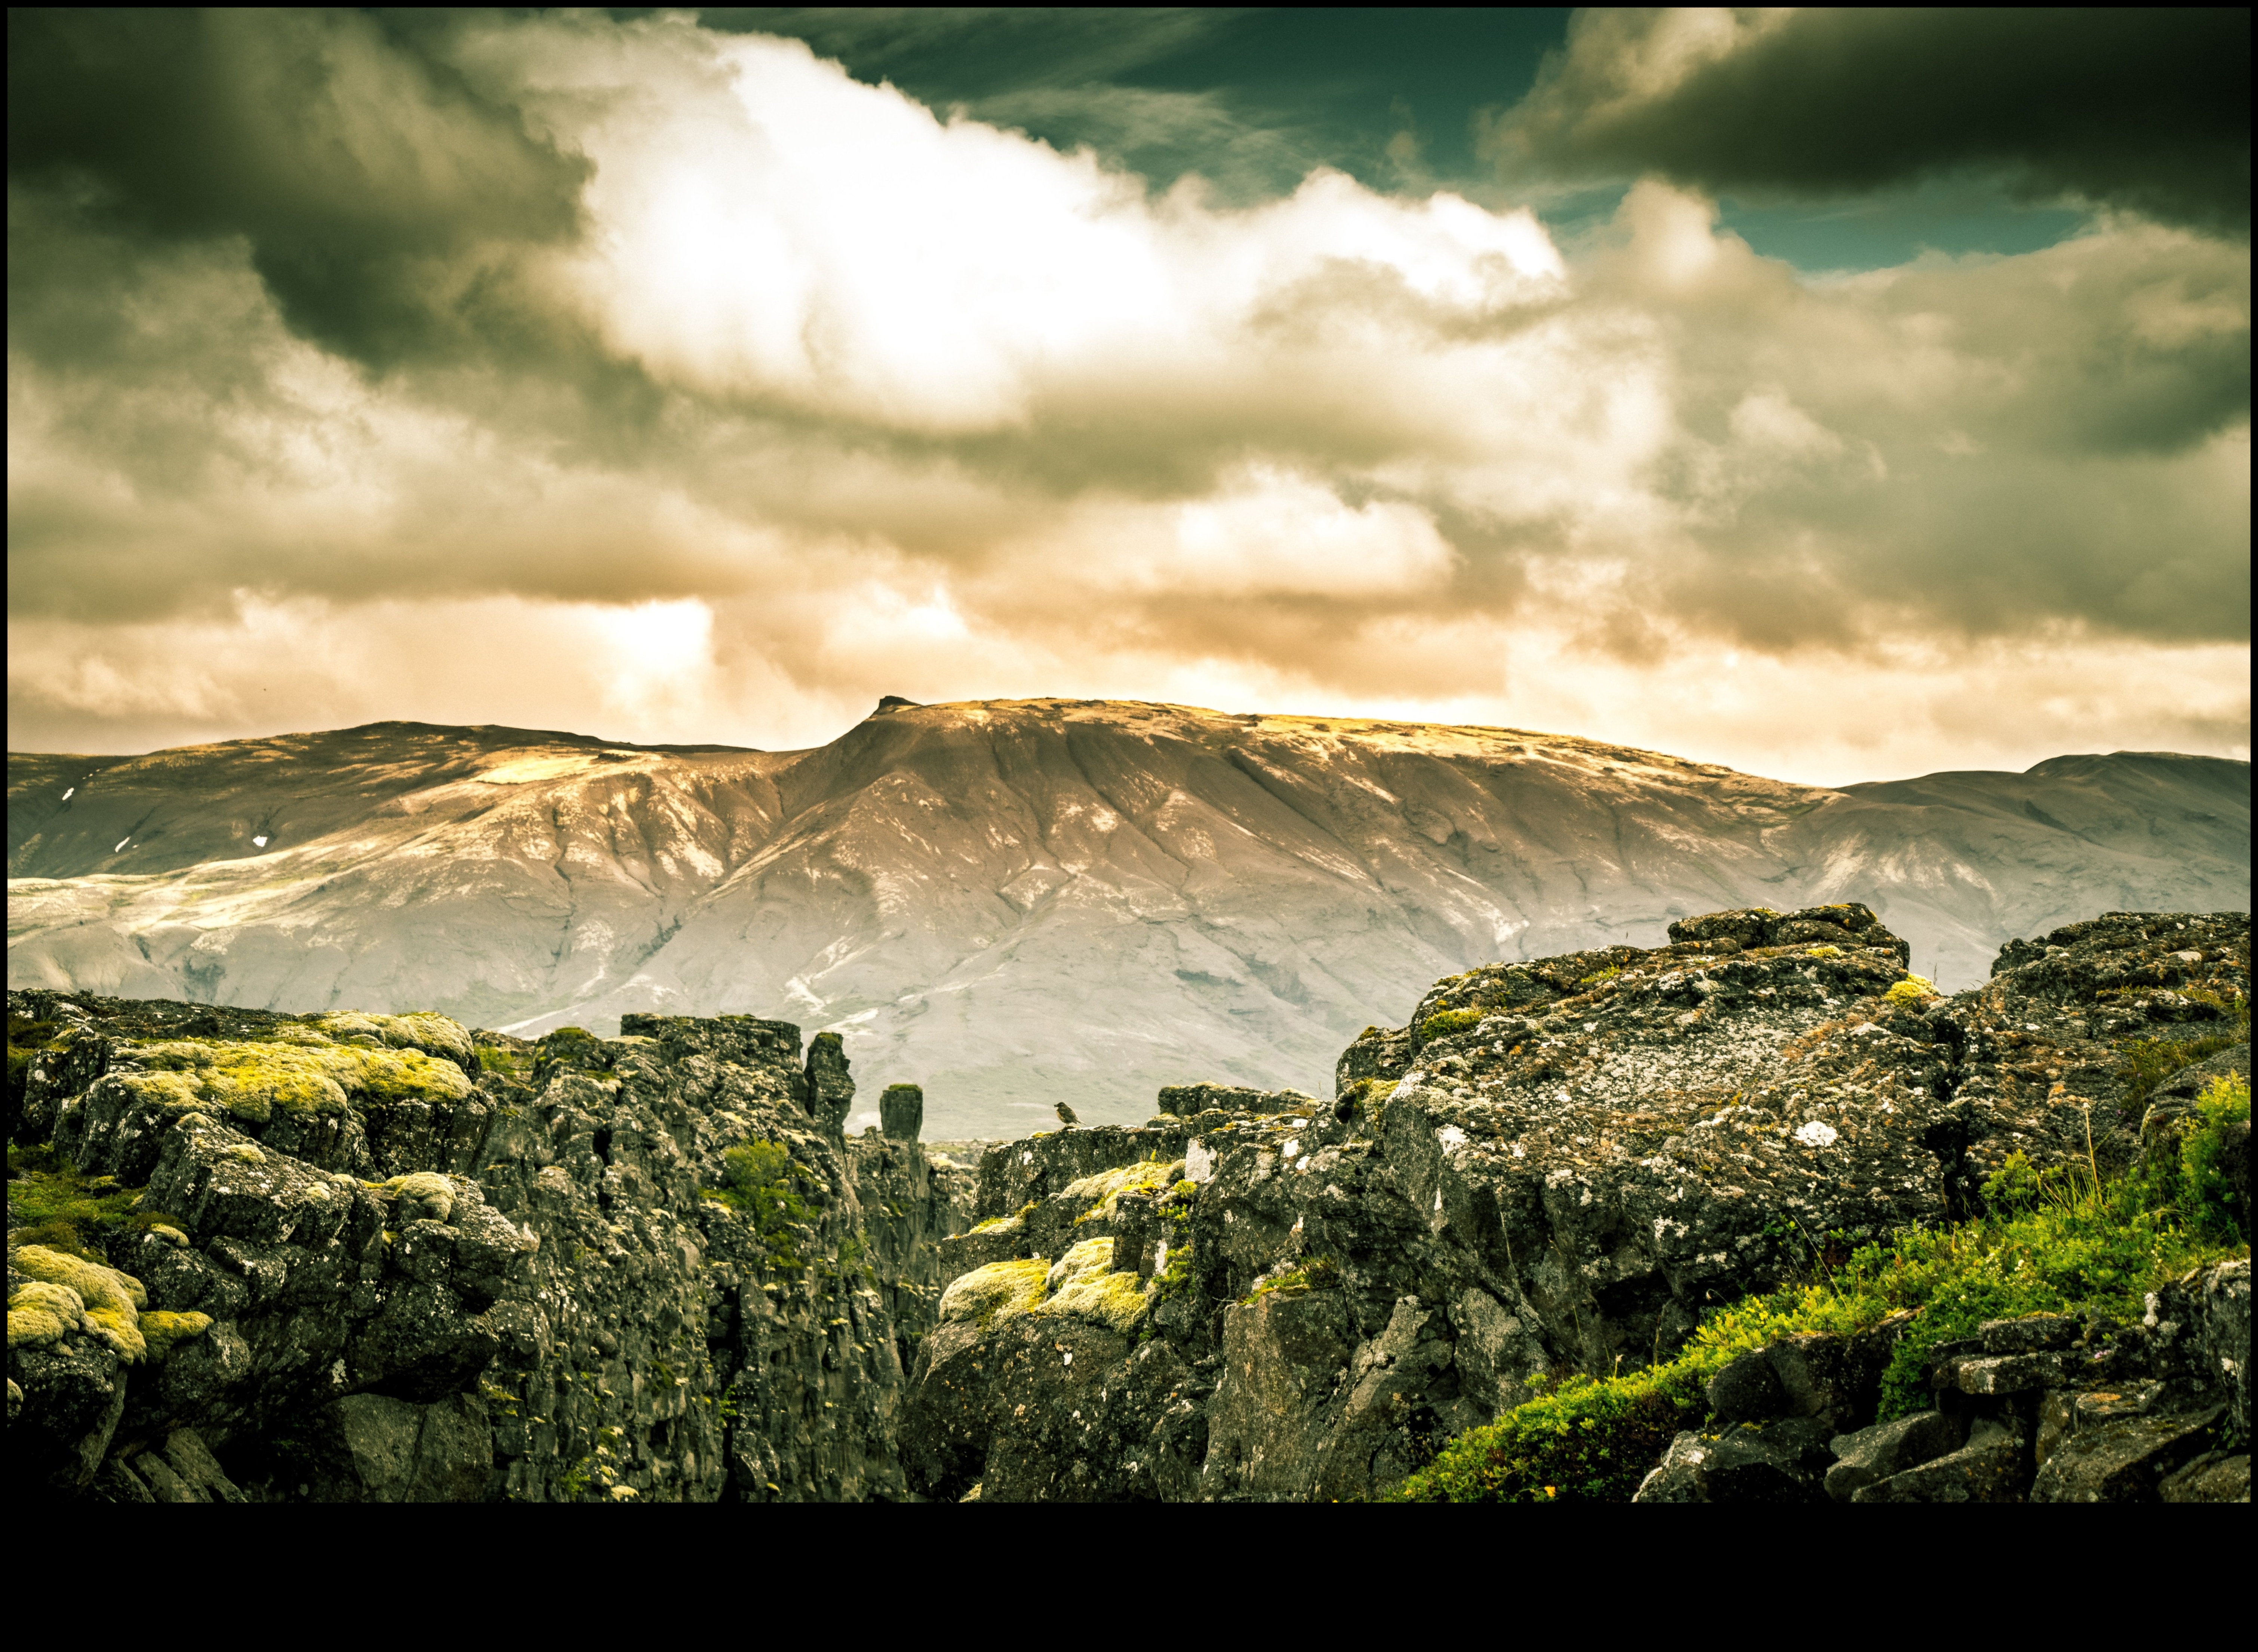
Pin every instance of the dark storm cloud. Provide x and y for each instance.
(2145, 109)
(376, 187)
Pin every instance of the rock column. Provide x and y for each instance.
(830, 1087)
(901, 1112)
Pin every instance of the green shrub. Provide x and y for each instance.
(1593, 1440)
(2207, 1198)
(2148, 1063)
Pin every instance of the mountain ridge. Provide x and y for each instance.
(1011, 900)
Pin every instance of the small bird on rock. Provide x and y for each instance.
(1065, 1113)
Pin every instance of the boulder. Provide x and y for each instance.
(2215, 1477)
(1993, 1467)
(2125, 1460)
(1874, 1454)
(1777, 1464)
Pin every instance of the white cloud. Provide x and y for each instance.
(769, 229)
(935, 409)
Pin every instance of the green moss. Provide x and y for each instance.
(1601, 977)
(1316, 1273)
(1085, 1260)
(111, 1300)
(1824, 951)
(1001, 1224)
(1450, 1021)
(1105, 1188)
(1116, 1300)
(250, 1080)
(40, 1313)
(164, 1331)
(1176, 1276)
(1913, 989)
(426, 1192)
(997, 1291)
(423, 1030)
(51, 1204)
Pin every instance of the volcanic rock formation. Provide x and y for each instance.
(369, 1266)
(1554, 1167)
(370, 1257)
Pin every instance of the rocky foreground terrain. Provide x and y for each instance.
(1003, 900)
(346, 1257)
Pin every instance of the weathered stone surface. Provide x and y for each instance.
(1746, 1387)
(1285, 1357)
(2033, 1333)
(2123, 1461)
(2012, 1373)
(1993, 1467)
(901, 1112)
(2214, 1477)
(1780, 1462)
(2065, 1412)
(1877, 1453)
(830, 1089)
(2198, 1334)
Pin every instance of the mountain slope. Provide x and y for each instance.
(1013, 901)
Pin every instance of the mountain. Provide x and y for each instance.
(1014, 902)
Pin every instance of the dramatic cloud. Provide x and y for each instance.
(2145, 109)
(707, 393)
(380, 196)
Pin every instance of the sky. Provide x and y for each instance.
(1839, 396)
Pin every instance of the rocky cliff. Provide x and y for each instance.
(1005, 900)
(368, 1258)
(1562, 1167)
(354, 1257)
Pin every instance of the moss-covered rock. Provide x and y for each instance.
(252, 1080)
(433, 1035)
(39, 1313)
(111, 1301)
(1117, 1301)
(1104, 1189)
(997, 1291)
(163, 1330)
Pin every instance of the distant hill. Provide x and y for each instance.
(1014, 901)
